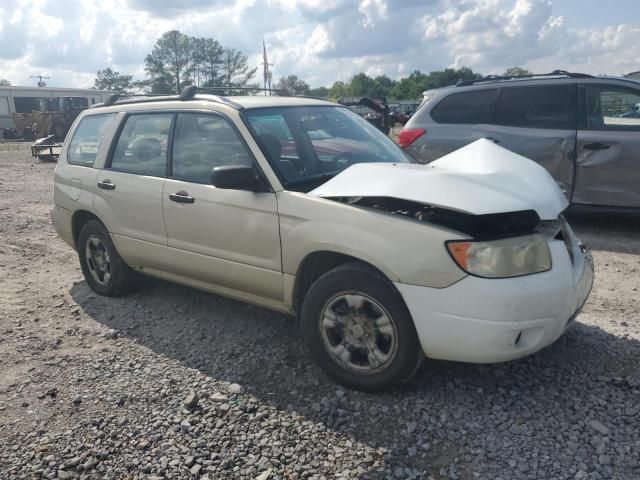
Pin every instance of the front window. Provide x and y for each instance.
(202, 142)
(612, 108)
(306, 146)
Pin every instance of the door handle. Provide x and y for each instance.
(181, 197)
(596, 146)
(106, 185)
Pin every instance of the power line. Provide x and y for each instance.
(41, 82)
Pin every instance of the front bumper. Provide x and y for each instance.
(492, 320)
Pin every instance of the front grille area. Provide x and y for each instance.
(557, 230)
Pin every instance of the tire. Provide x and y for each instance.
(121, 279)
(397, 351)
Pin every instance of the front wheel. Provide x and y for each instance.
(359, 330)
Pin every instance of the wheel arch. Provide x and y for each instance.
(80, 219)
(316, 264)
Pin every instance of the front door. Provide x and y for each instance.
(129, 189)
(229, 238)
(608, 164)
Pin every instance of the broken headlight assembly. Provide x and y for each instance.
(502, 258)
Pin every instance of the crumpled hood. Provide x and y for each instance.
(480, 178)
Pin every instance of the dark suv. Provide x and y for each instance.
(584, 130)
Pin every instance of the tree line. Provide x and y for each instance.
(178, 60)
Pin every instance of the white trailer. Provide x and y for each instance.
(45, 99)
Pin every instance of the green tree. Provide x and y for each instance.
(212, 53)
(339, 89)
(107, 79)
(383, 86)
(169, 64)
(4, 82)
(515, 72)
(321, 92)
(411, 87)
(235, 68)
(362, 85)
(293, 85)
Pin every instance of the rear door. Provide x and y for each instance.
(226, 237)
(608, 164)
(539, 122)
(129, 189)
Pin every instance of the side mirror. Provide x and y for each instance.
(236, 177)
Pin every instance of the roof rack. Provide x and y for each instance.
(124, 97)
(187, 93)
(497, 78)
(226, 88)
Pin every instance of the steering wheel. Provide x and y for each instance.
(342, 160)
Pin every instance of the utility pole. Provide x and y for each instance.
(265, 69)
(41, 82)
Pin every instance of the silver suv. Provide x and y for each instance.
(584, 130)
(303, 207)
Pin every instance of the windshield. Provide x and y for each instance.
(306, 146)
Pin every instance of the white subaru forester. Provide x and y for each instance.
(301, 206)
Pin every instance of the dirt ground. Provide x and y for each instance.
(86, 378)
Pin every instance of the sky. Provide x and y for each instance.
(322, 41)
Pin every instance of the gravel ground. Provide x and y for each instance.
(175, 383)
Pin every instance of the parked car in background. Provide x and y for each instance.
(302, 206)
(584, 130)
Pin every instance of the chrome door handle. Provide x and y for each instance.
(106, 185)
(181, 197)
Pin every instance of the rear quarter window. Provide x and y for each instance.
(87, 138)
(465, 107)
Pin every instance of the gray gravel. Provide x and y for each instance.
(175, 383)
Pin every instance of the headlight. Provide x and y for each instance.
(507, 257)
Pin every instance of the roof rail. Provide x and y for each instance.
(124, 97)
(226, 88)
(496, 78)
(188, 93)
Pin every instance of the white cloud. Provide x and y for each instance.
(318, 40)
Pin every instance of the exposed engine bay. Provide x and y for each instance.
(486, 226)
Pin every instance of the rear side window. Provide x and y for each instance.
(465, 107)
(203, 142)
(85, 144)
(142, 145)
(537, 107)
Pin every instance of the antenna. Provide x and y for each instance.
(41, 82)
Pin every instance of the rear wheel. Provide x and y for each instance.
(103, 268)
(359, 330)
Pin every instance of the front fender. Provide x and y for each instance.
(405, 250)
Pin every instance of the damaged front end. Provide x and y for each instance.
(483, 226)
(508, 206)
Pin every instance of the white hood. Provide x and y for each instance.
(480, 178)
